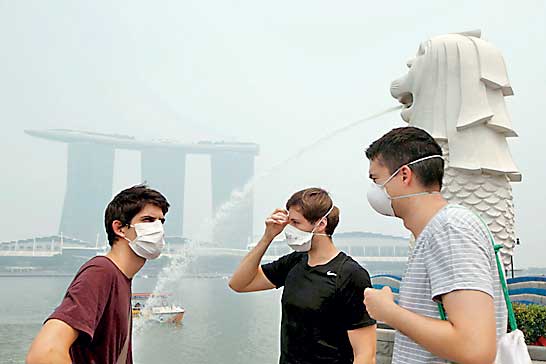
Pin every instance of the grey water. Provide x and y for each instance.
(219, 326)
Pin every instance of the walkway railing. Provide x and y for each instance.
(527, 289)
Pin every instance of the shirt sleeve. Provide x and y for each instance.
(85, 299)
(351, 290)
(277, 271)
(459, 257)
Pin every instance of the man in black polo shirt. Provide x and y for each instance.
(323, 317)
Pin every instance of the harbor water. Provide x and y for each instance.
(219, 326)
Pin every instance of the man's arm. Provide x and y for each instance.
(468, 336)
(363, 341)
(79, 313)
(249, 276)
(52, 344)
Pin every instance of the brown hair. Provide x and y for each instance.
(314, 203)
(401, 146)
(130, 202)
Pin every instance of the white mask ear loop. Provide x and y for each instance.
(409, 164)
(328, 213)
(415, 194)
(418, 193)
(125, 237)
(425, 158)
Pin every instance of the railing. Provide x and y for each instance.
(530, 289)
(527, 290)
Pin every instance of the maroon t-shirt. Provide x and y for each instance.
(97, 304)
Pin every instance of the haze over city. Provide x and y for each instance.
(280, 75)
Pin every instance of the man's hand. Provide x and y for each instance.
(275, 223)
(470, 329)
(249, 276)
(379, 303)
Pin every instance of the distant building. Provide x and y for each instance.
(52, 254)
(372, 245)
(90, 171)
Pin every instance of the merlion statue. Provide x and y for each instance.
(455, 89)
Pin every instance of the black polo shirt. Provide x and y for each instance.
(319, 305)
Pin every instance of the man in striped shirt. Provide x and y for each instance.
(453, 262)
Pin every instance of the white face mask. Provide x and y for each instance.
(149, 241)
(380, 200)
(300, 240)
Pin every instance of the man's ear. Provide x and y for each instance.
(323, 223)
(407, 175)
(117, 226)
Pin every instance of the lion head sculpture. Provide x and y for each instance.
(455, 90)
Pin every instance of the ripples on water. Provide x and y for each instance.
(219, 326)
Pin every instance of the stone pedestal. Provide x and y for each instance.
(385, 343)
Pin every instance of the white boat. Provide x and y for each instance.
(162, 312)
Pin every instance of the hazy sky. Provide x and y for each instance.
(281, 74)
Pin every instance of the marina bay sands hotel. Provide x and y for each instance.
(90, 171)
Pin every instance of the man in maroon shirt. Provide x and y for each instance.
(93, 322)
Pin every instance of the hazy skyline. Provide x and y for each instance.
(281, 75)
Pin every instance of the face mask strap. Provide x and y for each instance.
(328, 213)
(416, 194)
(124, 237)
(409, 164)
(129, 225)
(424, 159)
(391, 177)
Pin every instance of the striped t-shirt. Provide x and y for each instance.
(454, 252)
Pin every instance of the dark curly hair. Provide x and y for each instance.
(130, 202)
